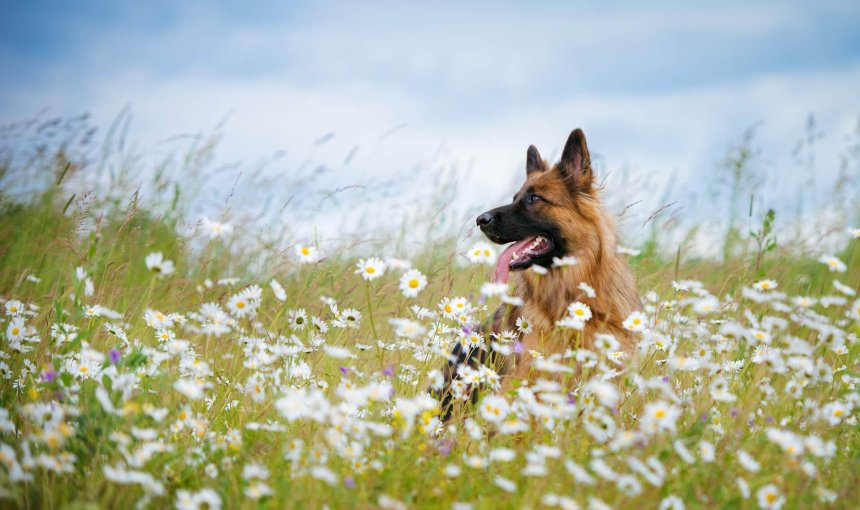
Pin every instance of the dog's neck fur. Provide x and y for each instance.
(599, 265)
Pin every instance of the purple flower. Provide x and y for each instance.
(349, 482)
(49, 375)
(466, 329)
(734, 412)
(482, 299)
(518, 347)
(665, 378)
(445, 446)
(114, 356)
(344, 370)
(704, 418)
(389, 371)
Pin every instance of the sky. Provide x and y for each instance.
(661, 89)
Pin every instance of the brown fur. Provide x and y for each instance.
(569, 204)
(582, 218)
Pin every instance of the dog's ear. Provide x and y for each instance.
(575, 160)
(534, 163)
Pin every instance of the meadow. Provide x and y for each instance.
(145, 366)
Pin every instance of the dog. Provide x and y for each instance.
(554, 218)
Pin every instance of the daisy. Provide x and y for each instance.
(579, 311)
(14, 307)
(568, 260)
(765, 285)
(216, 229)
(490, 289)
(15, 330)
(833, 263)
(370, 269)
(841, 287)
(298, 319)
(156, 263)
(307, 254)
(278, 289)
(588, 289)
(854, 232)
(482, 253)
(240, 306)
(855, 310)
(659, 416)
(524, 326)
(494, 408)
(769, 497)
(635, 322)
(412, 282)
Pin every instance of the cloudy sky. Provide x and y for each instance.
(661, 89)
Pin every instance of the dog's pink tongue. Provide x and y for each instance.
(500, 275)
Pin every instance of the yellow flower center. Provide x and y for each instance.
(370, 270)
(15, 331)
(837, 413)
(448, 309)
(13, 309)
(637, 321)
(413, 283)
(305, 250)
(240, 304)
(770, 497)
(579, 311)
(659, 413)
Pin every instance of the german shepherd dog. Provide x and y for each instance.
(555, 214)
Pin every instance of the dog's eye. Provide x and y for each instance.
(533, 198)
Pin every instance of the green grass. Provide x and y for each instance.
(370, 451)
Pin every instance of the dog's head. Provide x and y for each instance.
(552, 213)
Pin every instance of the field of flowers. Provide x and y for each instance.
(142, 370)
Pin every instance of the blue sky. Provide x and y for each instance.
(660, 88)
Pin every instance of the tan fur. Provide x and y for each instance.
(592, 229)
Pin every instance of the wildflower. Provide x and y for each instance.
(505, 484)
(490, 289)
(706, 451)
(156, 263)
(307, 254)
(748, 462)
(494, 408)
(579, 311)
(216, 229)
(189, 387)
(412, 282)
(719, 389)
(14, 307)
(769, 497)
(370, 269)
(845, 289)
(659, 416)
(482, 253)
(204, 498)
(671, 503)
(833, 263)
(763, 285)
(636, 321)
(16, 329)
(524, 326)
(605, 392)
(587, 289)
(568, 260)
(240, 306)
(278, 289)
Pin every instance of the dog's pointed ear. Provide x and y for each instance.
(576, 161)
(534, 163)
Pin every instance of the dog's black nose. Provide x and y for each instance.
(485, 219)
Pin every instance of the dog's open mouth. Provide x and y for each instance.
(521, 255)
